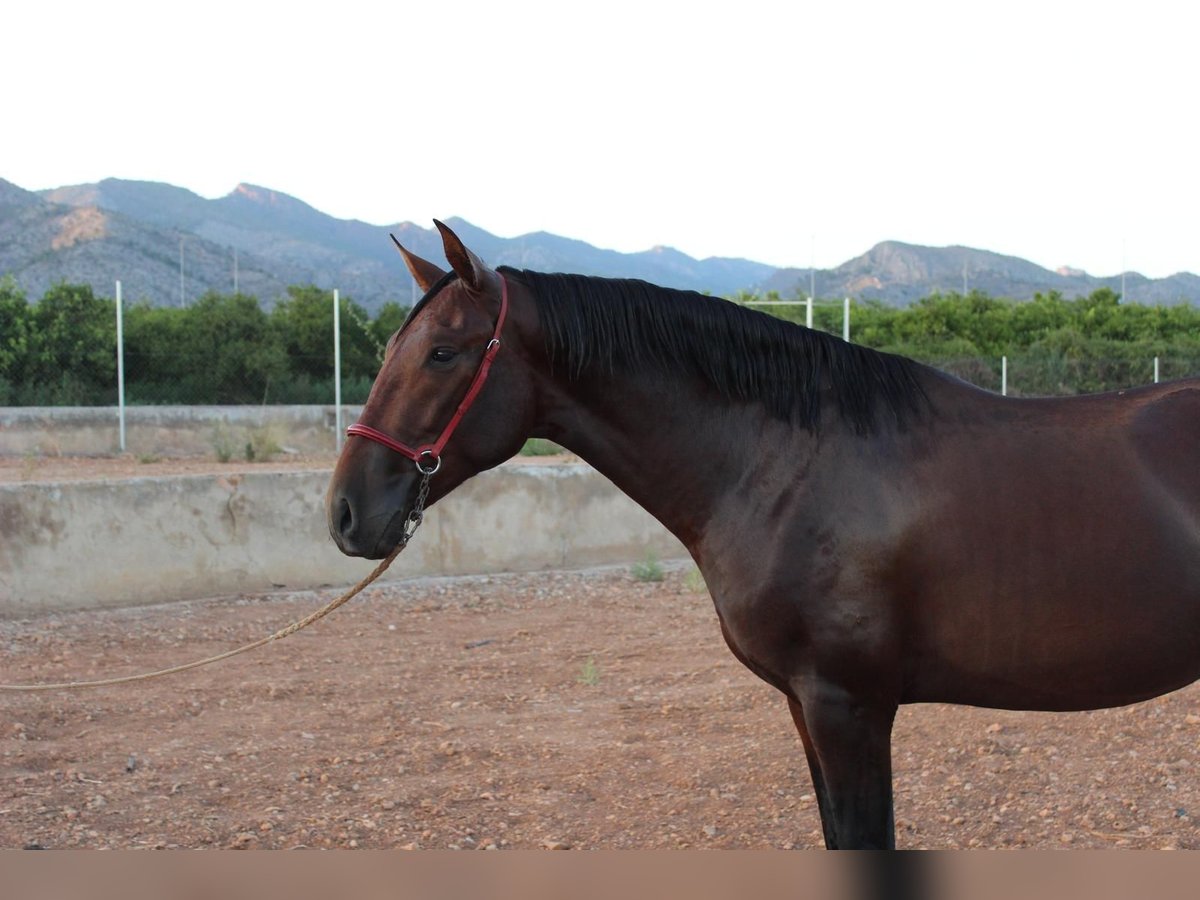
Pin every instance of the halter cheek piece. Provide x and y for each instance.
(428, 457)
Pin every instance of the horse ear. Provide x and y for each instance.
(467, 266)
(425, 273)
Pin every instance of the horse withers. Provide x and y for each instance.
(872, 531)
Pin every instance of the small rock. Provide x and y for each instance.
(549, 844)
(710, 830)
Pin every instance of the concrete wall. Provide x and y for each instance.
(167, 430)
(74, 545)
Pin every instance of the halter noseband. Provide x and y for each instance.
(434, 450)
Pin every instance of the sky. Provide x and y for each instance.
(791, 133)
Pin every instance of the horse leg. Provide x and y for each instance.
(851, 737)
(814, 769)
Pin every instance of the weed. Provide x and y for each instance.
(147, 458)
(263, 444)
(540, 447)
(223, 442)
(694, 581)
(589, 673)
(649, 569)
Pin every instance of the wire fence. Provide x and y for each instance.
(229, 351)
(1035, 375)
(73, 348)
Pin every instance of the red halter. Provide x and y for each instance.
(434, 450)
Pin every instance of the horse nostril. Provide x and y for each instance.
(346, 520)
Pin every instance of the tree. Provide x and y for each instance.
(388, 321)
(157, 355)
(72, 356)
(233, 354)
(15, 325)
(304, 322)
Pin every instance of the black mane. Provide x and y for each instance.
(602, 325)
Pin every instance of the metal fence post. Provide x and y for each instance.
(120, 371)
(337, 371)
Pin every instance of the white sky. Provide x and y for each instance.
(784, 132)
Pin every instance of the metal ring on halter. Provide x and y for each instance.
(437, 462)
(494, 342)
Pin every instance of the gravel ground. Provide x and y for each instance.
(557, 710)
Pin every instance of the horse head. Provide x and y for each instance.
(453, 397)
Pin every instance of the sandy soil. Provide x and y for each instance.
(557, 710)
(15, 469)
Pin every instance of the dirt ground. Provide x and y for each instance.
(559, 710)
(15, 469)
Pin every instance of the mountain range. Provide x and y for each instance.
(168, 245)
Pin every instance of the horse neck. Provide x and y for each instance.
(667, 442)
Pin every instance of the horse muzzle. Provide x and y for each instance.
(369, 527)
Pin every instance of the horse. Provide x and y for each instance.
(872, 531)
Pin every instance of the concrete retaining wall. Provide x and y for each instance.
(75, 545)
(168, 430)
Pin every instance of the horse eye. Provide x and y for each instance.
(443, 354)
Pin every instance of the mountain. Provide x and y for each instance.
(134, 230)
(131, 230)
(898, 273)
(43, 242)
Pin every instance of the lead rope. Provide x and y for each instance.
(411, 524)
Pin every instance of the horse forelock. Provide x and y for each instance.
(600, 325)
(433, 291)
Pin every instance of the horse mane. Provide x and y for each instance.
(602, 325)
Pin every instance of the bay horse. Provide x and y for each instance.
(872, 531)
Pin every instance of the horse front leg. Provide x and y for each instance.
(814, 770)
(850, 737)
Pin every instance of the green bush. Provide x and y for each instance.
(61, 349)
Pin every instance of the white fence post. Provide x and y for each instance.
(337, 371)
(808, 312)
(1004, 376)
(120, 371)
(1156, 370)
(846, 320)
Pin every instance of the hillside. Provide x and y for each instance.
(132, 231)
(96, 233)
(899, 273)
